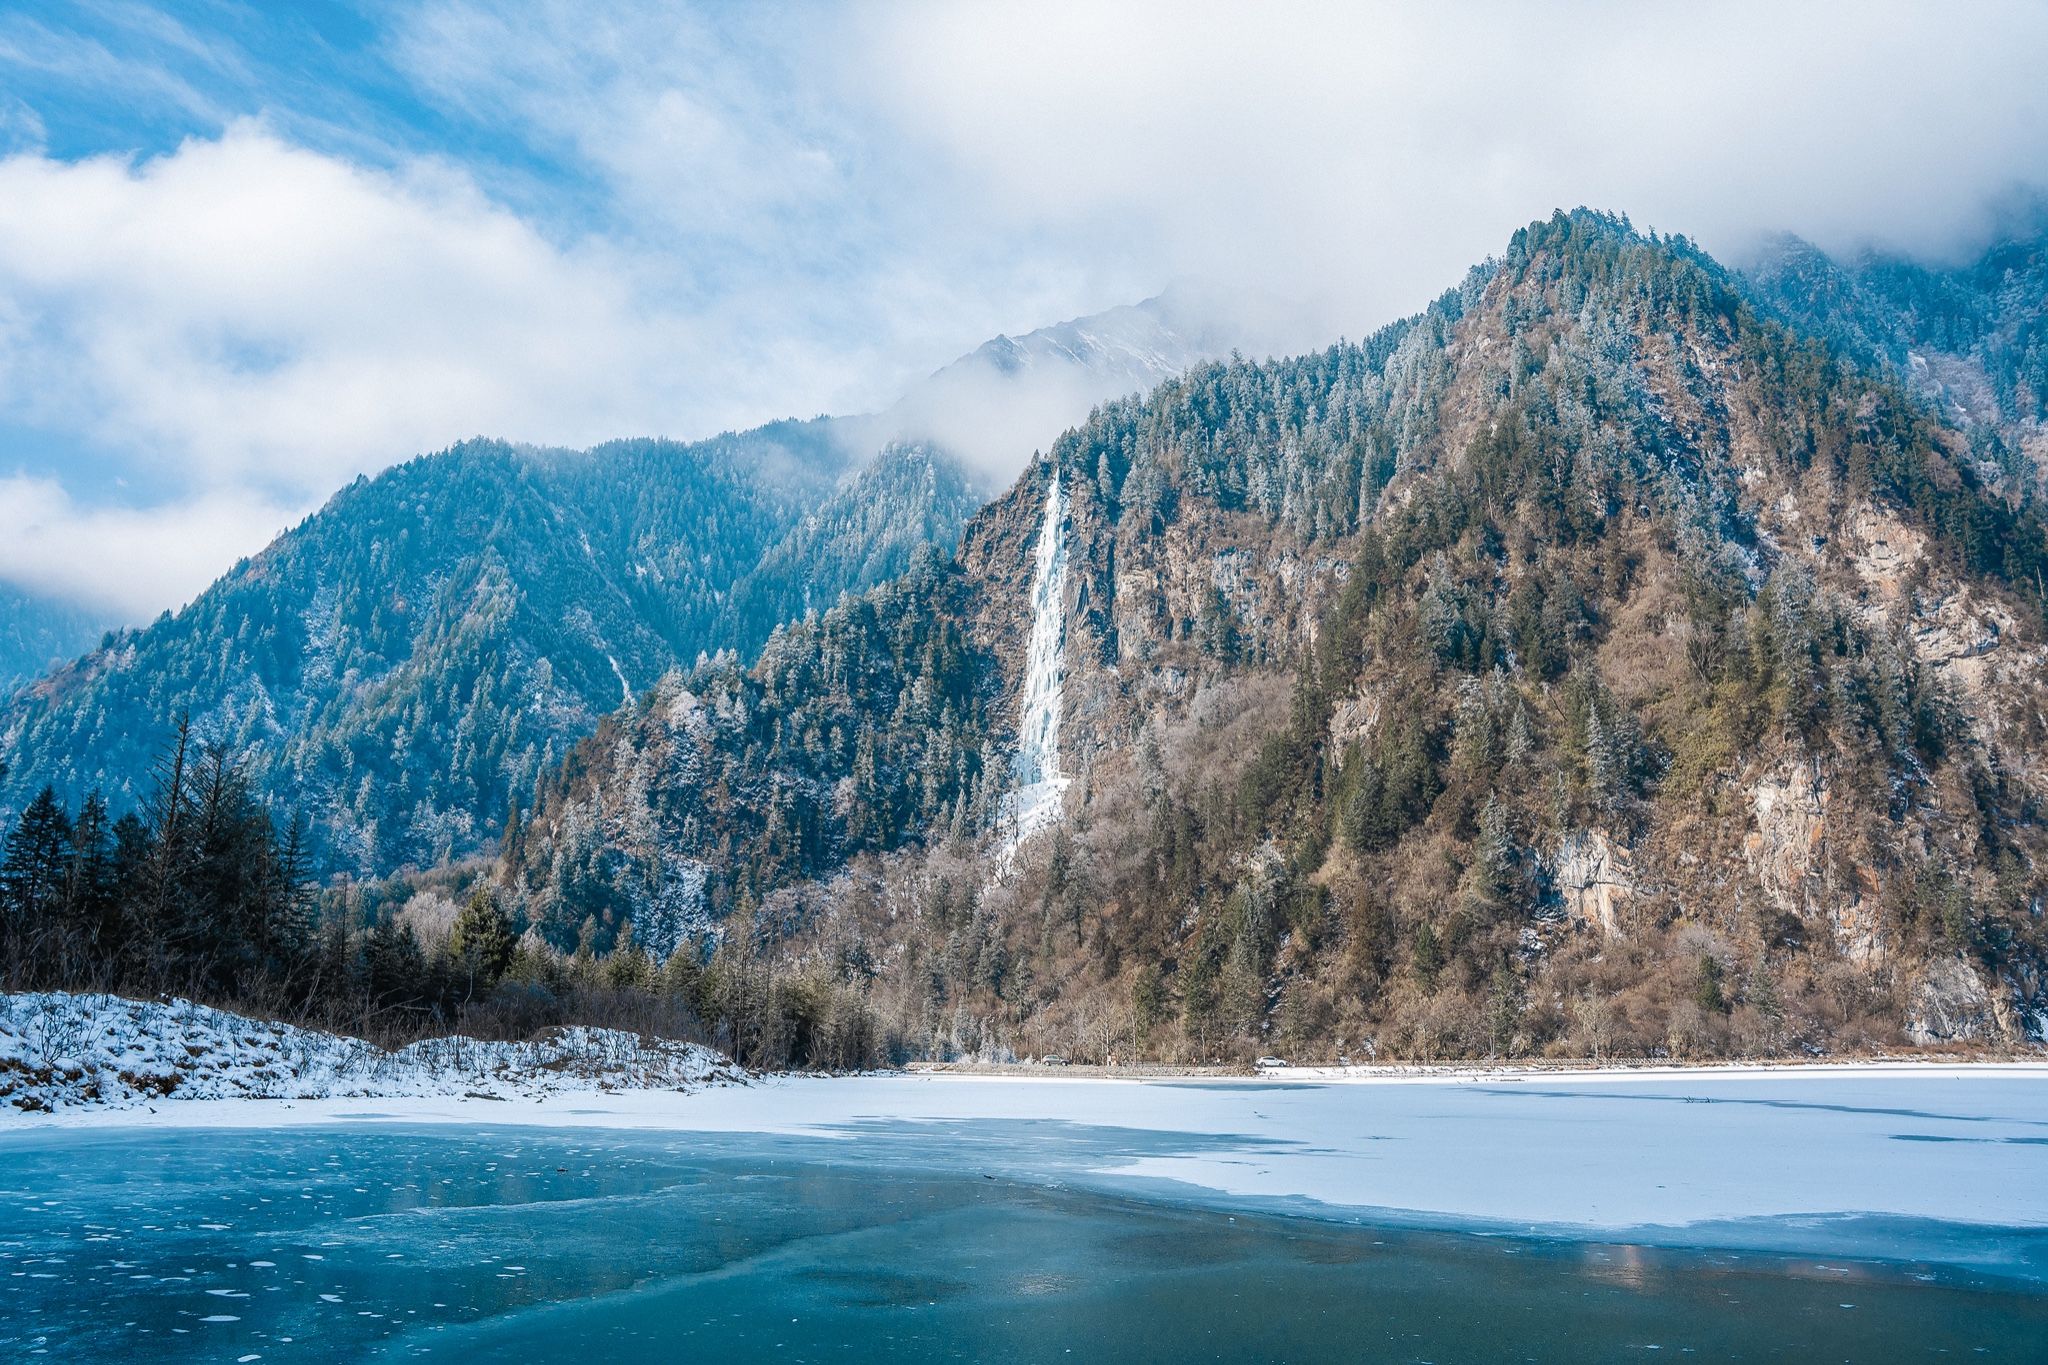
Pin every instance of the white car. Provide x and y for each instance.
(1267, 1063)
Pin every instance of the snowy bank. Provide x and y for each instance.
(62, 1051)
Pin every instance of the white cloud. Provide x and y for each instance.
(250, 324)
(88, 64)
(130, 562)
(244, 310)
(636, 219)
(699, 123)
(1363, 155)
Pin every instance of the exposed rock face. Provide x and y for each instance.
(1788, 834)
(1352, 720)
(1786, 848)
(1883, 551)
(1950, 1005)
(1593, 876)
(2028, 984)
(1859, 931)
(1968, 639)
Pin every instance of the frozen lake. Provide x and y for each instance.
(1801, 1216)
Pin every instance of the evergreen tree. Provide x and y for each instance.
(481, 943)
(33, 878)
(92, 894)
(628, 967)
(1503, 1010)
(1707, 993)
(1489, 881)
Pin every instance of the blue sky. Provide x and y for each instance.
(248, 251)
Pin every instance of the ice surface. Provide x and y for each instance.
(478, 1243)
(1966, 1144)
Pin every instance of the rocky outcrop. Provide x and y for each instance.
(1787, 847)
(2026, 988)
(1969, 639)
(1592, 876)
(1788, 834)
(1352, 721)
(1857, 923)
(1951, 1005)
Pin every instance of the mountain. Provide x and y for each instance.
(908, 497)
(999, 404)
(1589, 664)
(402, 666)
(37, 633)
(404, 662)
(1971, 340)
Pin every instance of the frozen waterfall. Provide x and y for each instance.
(1034, 804)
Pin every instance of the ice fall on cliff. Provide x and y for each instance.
(1034, 804)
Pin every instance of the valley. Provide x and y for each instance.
(1563, 671)
(1023, 682)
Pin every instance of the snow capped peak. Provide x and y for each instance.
(1011, 396)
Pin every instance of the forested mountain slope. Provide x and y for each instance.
(402, 666)
(1588, 663)
(405, 662)
(1971, 340)
(909, 497)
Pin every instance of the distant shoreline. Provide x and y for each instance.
(66, 1057)
(1481, 1070)
(634, 1107)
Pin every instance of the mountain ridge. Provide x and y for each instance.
(1556, 638)
(785, 517)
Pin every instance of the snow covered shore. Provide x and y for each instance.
(64, 1052)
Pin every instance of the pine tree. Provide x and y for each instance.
(290, 926)
(628, 968)
(1707, 993)
(682, 977)
(92, 892)
(1488, 885)
(394, 968)
(1148, 1001)
(481, 943)
(1442, 625)
(1504, 1010)
(1600, 782)
(33, 876)
(1427, 956)
(165, 876)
